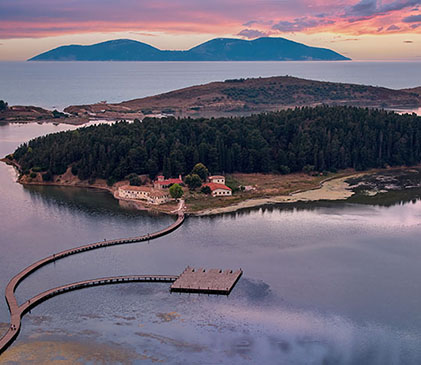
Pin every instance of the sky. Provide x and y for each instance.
(361, 29)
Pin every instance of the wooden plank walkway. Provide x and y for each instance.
(213, 281)
(16, 317)
(17, 279)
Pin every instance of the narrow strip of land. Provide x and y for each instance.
(14, 308)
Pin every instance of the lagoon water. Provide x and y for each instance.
(325, 283)
(59, 84)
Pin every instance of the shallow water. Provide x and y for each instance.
(326, 283)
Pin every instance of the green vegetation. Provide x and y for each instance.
(193, 181)
(3, 105)
(134, 180)
(320, 139)
(200, 170)
(57, 114)
(290, 94)
(176, 191)
(206, 190)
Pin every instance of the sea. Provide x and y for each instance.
(55, 85)
(323, 283)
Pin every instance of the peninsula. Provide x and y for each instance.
(219, 49)
(261, 156)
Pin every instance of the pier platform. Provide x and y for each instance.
(212, 281)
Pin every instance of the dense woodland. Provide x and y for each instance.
(303, 139)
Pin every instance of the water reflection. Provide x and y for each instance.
(324, 283)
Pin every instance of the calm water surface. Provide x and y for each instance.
(328, 283)
(59, 84)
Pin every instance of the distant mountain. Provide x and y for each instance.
(219, 49)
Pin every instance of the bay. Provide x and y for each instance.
(325, 283)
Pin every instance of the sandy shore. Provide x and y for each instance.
(330, 189)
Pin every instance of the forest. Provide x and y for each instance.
(302, 139)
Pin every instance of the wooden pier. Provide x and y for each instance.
(16, 310)
(213, 281)
(19, 312)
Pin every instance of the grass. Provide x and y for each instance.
(265, 185)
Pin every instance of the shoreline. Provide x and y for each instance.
(332, 188)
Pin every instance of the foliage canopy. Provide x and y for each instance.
(321, 138)
(176, 191)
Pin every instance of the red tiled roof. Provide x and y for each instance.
(136, 188)
(216, 177)
(158, 194)
(215, 186)
(169, 181)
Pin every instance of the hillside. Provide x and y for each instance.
(248, 96)
(220, 49)
(414, 90)
(27, 114)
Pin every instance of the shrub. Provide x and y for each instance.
(206, 190)
(176, 191)
(193, 181)
(135, 180)
(47, 176)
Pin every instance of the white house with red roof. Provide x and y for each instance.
(217, 179)
(219, 189)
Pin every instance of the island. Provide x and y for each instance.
(219, 49)
(236, 97)
(266, 158)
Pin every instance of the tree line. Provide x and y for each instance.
(301, 139)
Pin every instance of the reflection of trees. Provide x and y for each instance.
(286, 207)
(73, 200)
(389, 199)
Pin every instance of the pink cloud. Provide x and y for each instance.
(252, 33)
(246, 18)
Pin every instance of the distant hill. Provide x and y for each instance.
(414, 90)
(248, 96)
(219, 49)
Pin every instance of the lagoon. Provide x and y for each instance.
(323, 283)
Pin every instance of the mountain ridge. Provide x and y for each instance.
(218, 49)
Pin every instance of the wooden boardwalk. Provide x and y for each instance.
(15, 323)
(17, 279)
(213, 281)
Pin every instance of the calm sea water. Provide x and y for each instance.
(328, 283)
(59, 84)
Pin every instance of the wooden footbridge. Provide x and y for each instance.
(193, 281)
(16, 315)
(17, 311)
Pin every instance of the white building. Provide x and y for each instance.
(219, 189)
(145, 193)
(217, 179)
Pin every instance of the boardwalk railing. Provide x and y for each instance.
(17, 279)
(16, 317)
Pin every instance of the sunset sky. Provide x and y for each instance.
(362, 29)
